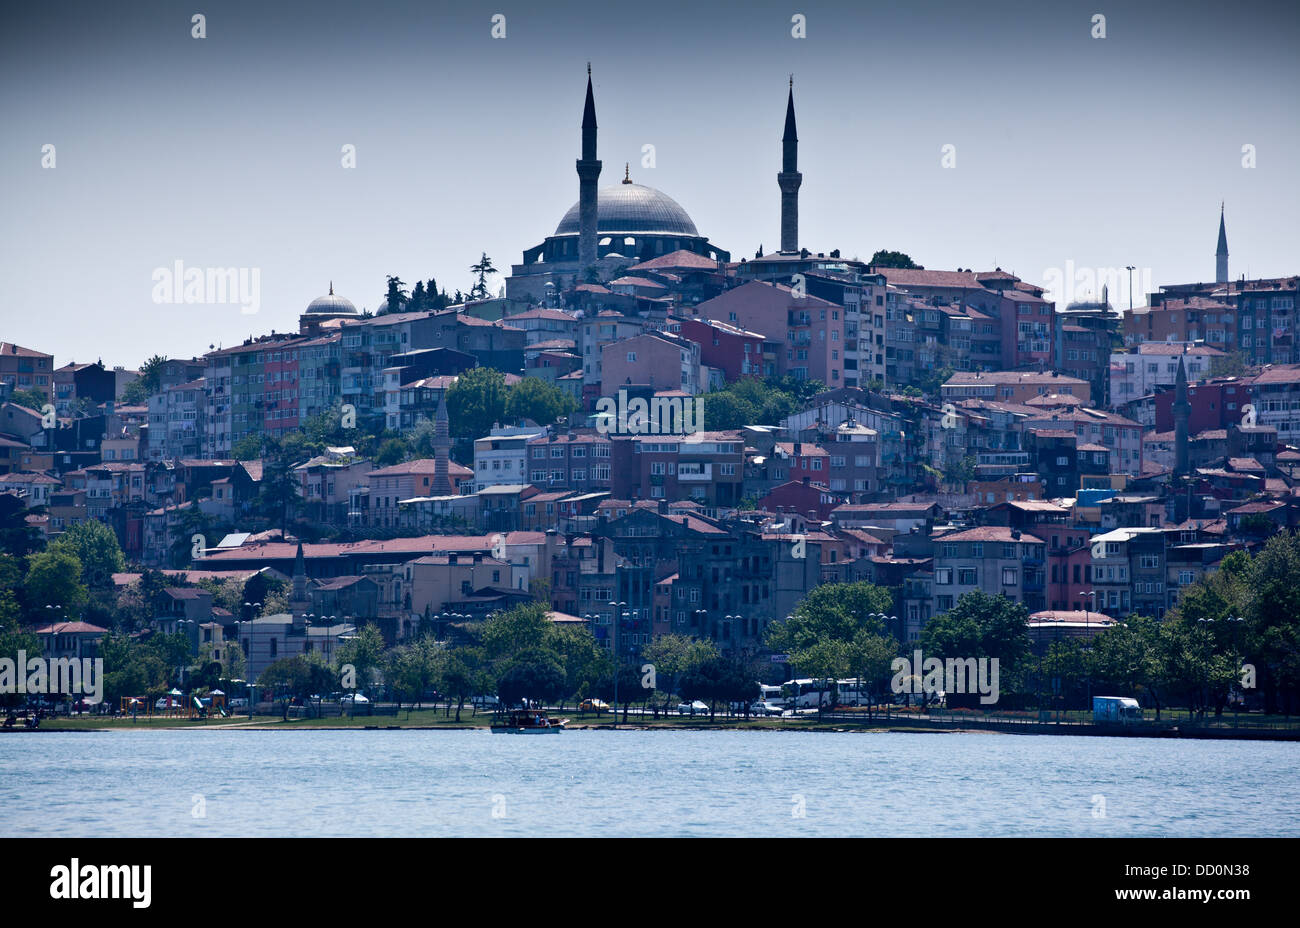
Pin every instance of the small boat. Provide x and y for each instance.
(527, 722)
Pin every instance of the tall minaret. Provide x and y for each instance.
(1182, 412)
(299, 601)
(789, 179)
(1221, 254)
(441, 449)
(588, 173)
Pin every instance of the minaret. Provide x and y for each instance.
(789, 179)
(299, 602)
(588, 174)
(1182, 412)
(1221, 253)
(441, 449)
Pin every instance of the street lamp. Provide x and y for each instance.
(1235, 621)
(1204, 624)
(616, 608)
(1130, 269)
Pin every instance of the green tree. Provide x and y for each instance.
(475, 401)
(248, 448)
(832, 611)
(96, 547)
(279, 498)
(893, 259)
(17, 536)
(365, 654)
(536, 399)
(981, 625)
(541, 680)
(13, 640)
(395, 297)
(676, 655)
(29, 397)
(54, 579)
(483, 268)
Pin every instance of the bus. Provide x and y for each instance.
(808, 694)
(852, 692)
(772, 694)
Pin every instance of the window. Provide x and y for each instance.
(943, 576)
(1008, 576)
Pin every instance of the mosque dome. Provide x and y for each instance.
(331, 304)
(629, 207)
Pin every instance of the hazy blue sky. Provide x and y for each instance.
(225, 151)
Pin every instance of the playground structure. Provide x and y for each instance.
(178, 706)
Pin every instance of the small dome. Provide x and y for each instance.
(331, 304)
(629, 207)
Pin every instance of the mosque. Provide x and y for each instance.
(627, 223)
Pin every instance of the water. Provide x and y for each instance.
(605, 783)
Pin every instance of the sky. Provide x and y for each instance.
(1070, 153)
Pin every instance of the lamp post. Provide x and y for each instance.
(1130, 269)
(617, 609)
(1235, 621)
(1204, 624)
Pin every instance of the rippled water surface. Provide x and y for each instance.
(603, 783)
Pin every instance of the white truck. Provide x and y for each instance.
(1116, 710)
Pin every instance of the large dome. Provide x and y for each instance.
(632, 208)
(331, 304)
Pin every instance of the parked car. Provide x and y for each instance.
(350, 699)
(239, 702)
(485, 699)
(765, 708)
(693, 708)
(593, 705)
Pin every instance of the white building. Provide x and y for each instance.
(500, 456)
(1137, 371)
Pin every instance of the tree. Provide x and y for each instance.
(981, 625)
(300, 676)
(483, 268)
(29, 397)
(13, 640)
(870, 658)
(95, 546)
(676, 655)
(392, 451)
(417, 301)
(364, 653)
(151, 372)
(395, 297)
(531, 680)
(460, 675)
(279, 495)
(1229, 364)
(54, 579)
(248, 448)
(475, 402)
(539, 400)
(17, 536)
(893, 259)
(832, 611)
(1270, 594)
(720, 678)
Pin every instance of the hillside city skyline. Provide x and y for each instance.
(1033, 190)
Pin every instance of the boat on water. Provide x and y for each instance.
(526, 722)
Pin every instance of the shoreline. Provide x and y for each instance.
(873, 726)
